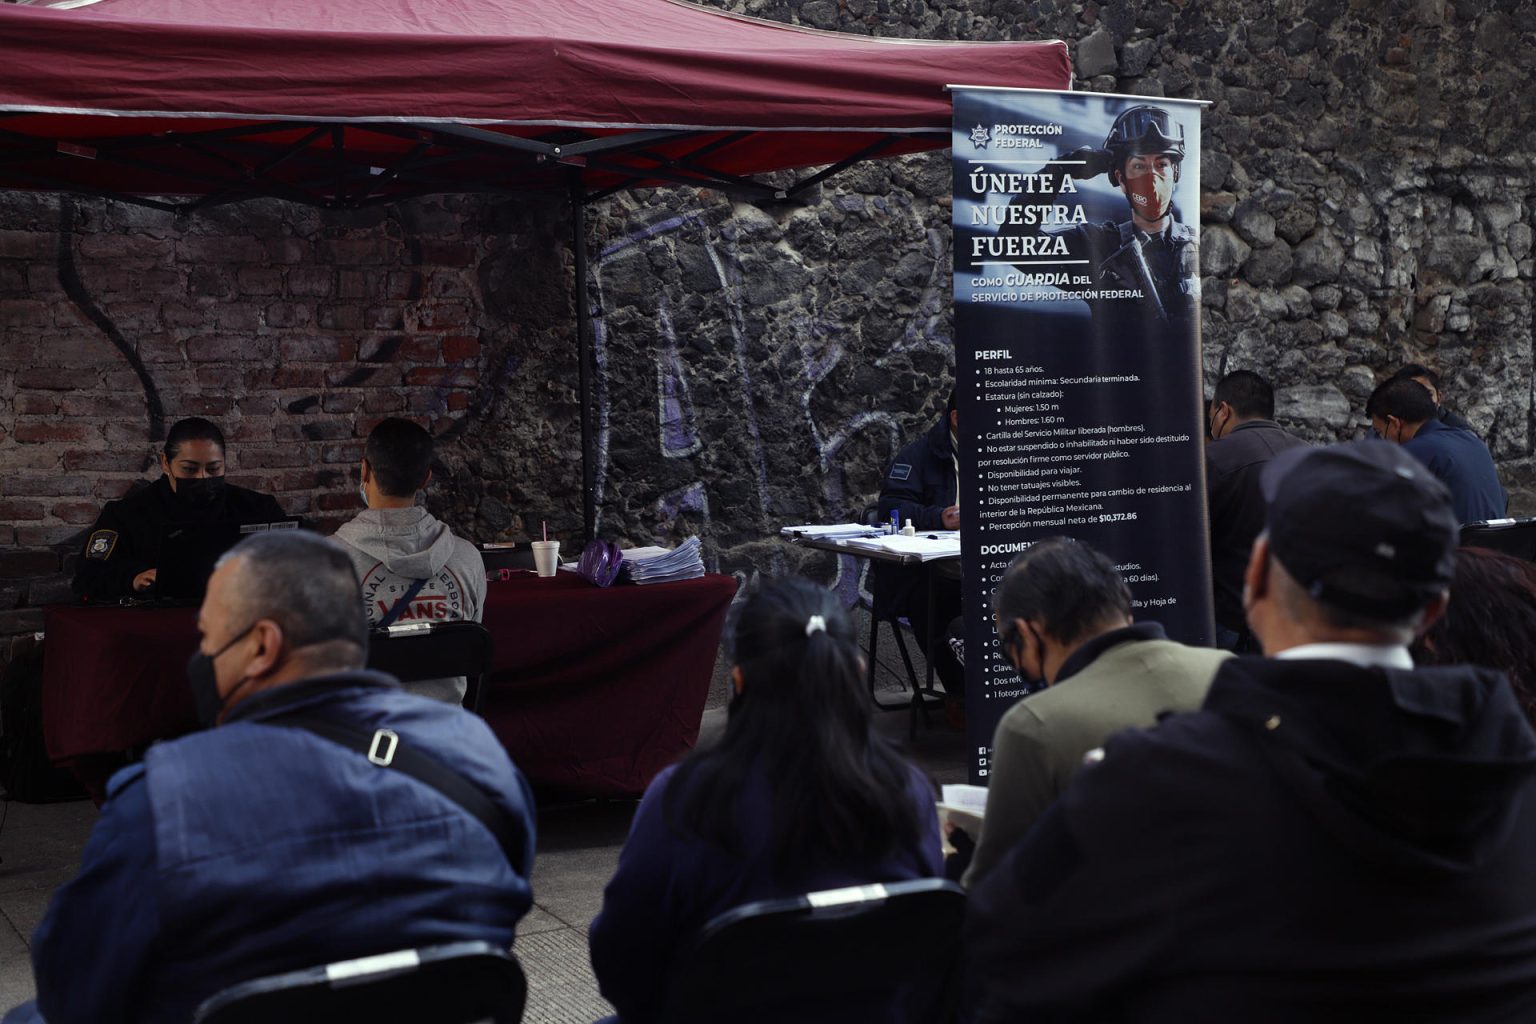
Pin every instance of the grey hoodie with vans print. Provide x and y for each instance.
(391, 549)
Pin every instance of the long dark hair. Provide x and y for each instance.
(1491, 621)
(840, 791)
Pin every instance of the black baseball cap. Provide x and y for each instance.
(1363, 526)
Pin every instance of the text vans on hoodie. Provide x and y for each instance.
(393, 548)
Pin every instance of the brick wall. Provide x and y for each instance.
(294, 330)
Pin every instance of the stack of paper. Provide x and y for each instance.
(926, 546)
(964, 806)
(684, 562)
(835, 530)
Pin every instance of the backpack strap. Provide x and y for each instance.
(383, 747)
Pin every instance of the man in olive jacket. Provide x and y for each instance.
(1064, 615)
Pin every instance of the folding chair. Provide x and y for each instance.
(922, 698)
(1515, 537)
(836, 955)
(434, 650)
(455, 983)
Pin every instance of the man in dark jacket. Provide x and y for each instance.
(1431, 381)
(1403, 411)
(122, 551)
(1335, 836)
(276, 842)
(1244, 437)
(922, 486)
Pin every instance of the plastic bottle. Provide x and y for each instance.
(907, 531)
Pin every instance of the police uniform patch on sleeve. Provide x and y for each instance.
(101, 544)
(901, 471)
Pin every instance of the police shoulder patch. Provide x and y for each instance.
(101, 544)
(901, 471)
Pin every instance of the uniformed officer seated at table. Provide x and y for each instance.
(922, 486)
(325, 814)
(121, 553)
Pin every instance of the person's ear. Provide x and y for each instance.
(736, 678)
(1021, 633)
(425, 481)
(269, 648)
(366, 473)
(1256, 576)
(954, 420)
(165, 465)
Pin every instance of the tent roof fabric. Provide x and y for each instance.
(206, 97)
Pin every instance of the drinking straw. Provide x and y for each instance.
(546, 530)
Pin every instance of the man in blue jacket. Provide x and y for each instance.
(1404, 411)
(268, 844)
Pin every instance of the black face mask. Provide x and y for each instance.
(199, 492)
(205, 682)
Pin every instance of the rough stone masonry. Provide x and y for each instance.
(1368, 198)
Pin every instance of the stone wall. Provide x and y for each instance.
(1368, 197)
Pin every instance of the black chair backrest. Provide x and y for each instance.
(838, 955)
(1515, 537)
(434, 650)
(449, 984)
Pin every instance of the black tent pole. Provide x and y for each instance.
(586, 357)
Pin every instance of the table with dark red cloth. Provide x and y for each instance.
(592, 691)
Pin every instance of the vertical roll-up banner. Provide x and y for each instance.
(1077, 357)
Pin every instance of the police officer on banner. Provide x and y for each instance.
(1151, 257)
(122, 550)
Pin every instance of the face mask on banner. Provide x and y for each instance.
(1151, 192)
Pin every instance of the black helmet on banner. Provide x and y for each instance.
(1140, 131)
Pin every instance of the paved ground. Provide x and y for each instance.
(578, 849)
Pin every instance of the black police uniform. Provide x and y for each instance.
(919, 486)
(1169, 260)
(1163, 268)
(126, 538)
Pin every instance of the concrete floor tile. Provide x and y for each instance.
(24, 908)
(539, 920)
(15, 968)
(569, 884)
(561, 988)
(40, 844)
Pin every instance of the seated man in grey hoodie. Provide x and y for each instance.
(410, 564)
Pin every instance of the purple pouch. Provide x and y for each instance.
(599, 563)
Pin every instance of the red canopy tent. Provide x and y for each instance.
(350, 102)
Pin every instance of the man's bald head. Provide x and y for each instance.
(304, 583)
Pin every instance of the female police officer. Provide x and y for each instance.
(122, 550)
